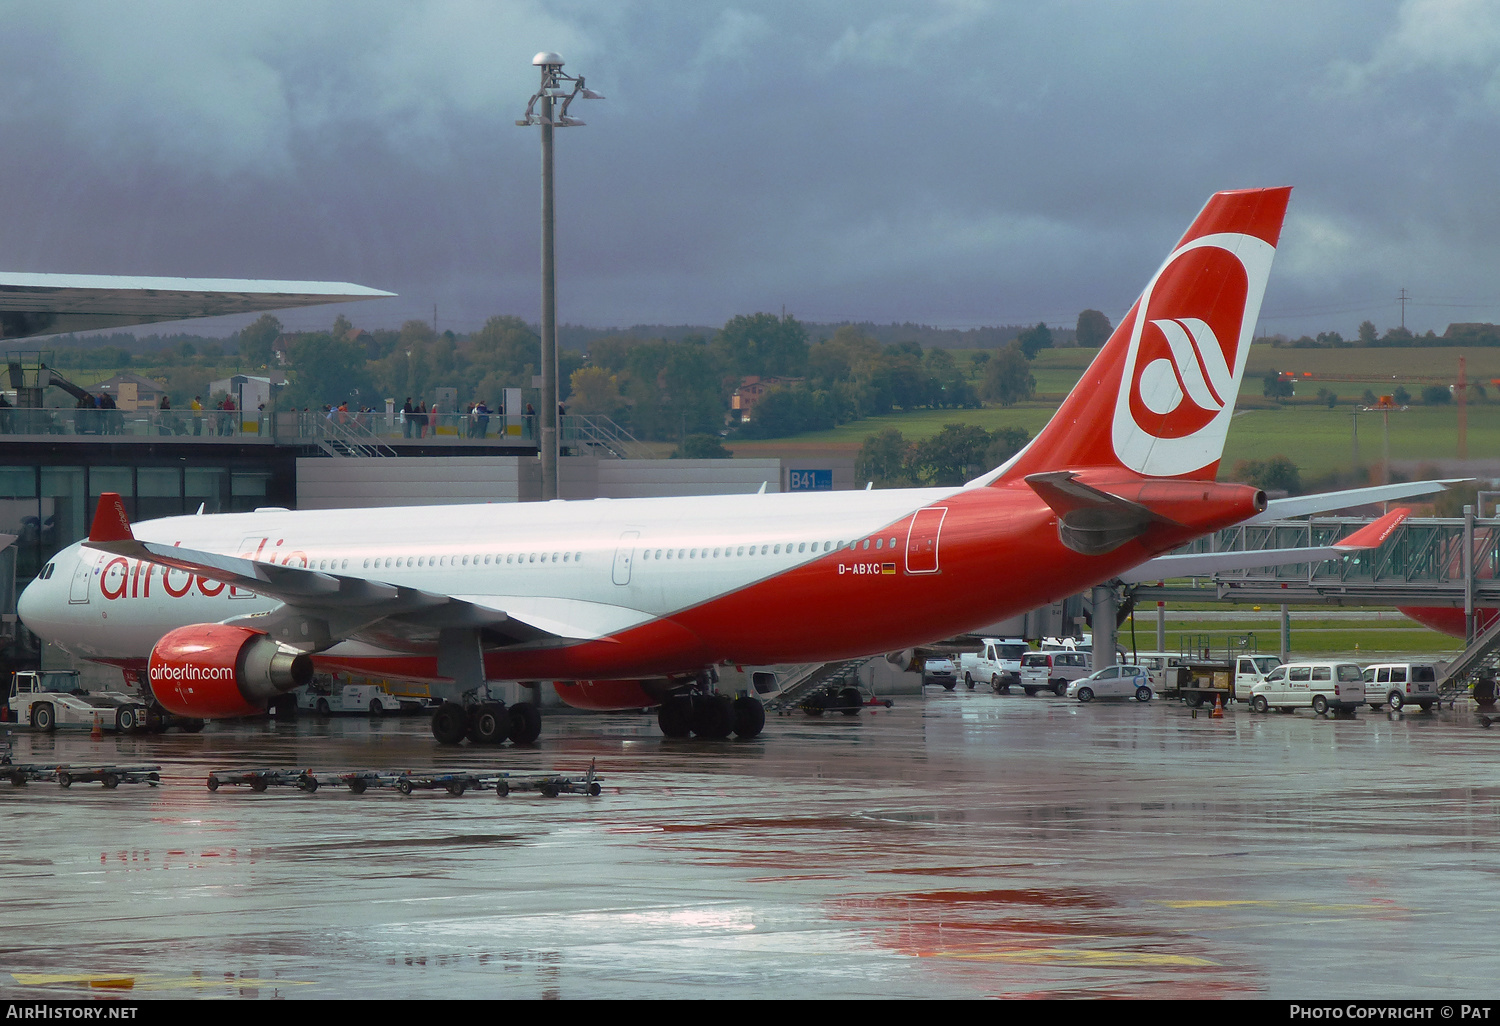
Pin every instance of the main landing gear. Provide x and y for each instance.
(486, 723)
(712, 716)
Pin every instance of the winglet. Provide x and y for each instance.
(110, 522)
(1375, 532)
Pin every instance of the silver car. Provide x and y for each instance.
(1120, 681)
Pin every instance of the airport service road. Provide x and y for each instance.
(962, 845)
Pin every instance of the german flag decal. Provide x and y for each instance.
(887, 568)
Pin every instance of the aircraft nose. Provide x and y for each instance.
(28, 602)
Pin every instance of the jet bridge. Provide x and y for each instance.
(1426, 561)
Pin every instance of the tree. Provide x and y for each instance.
(256, 339)
(882, 459)
(326, 370)
(595, 391)
(1274, 386)
(950, 457)
(1368, 333)
(1007, 441)
(1007, 377)
(1275, 474)
(1436, 395)
(701, 447)
(1093, 329)
(1034, 340)
(1401, 396)
(763, 344)
(790, 411)
(1328, 397)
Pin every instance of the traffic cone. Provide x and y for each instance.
(98, 732)
(1218, 713)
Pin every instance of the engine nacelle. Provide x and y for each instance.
(213, 670)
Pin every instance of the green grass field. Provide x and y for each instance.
(1318, 439)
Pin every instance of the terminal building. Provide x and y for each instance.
(57, 462)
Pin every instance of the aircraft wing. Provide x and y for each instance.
(321, 609)
(48, 304)
(1204, 564)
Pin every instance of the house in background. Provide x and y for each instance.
(148, 391)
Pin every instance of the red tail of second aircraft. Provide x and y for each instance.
(1158, 398)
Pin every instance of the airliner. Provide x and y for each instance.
(625, 604)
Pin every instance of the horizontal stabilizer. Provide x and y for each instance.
(1325, 502)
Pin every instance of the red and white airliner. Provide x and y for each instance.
(630, 603)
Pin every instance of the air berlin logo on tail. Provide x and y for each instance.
(1188, 346)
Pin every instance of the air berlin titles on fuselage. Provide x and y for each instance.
(121, 578)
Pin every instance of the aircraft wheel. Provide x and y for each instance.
(284, 707)
(525, 723)
(675, 716)
(713, 717)
(850, 697)
(157, 720)
(749, 717)
(449, 723)
(43, 717)
(487, 723)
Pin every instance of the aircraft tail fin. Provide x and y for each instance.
(1158, 398)
(111, 524)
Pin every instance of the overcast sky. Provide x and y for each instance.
(955, 163)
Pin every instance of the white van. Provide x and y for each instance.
(1052, 671)
(1401, 684)
(1321, 684)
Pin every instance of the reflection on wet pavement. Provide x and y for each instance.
(966, 845)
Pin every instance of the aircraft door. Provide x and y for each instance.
(922, 540)
(83, 570)
(624, 556)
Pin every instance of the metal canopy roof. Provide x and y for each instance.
(47, 304)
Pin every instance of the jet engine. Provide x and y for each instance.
(213, 670)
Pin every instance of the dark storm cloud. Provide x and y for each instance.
(954, 163)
